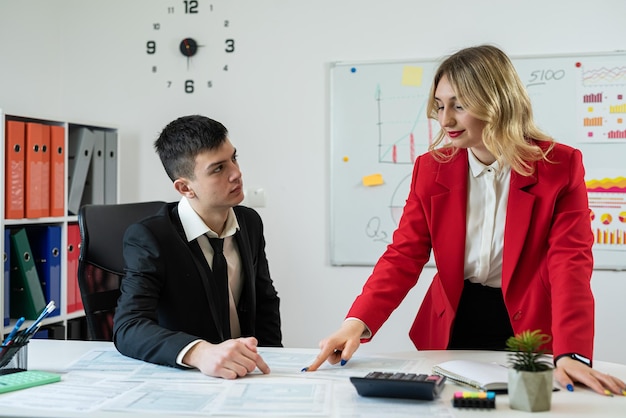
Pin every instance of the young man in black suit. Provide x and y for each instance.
(174, 309)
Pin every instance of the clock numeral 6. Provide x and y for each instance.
(188, 86)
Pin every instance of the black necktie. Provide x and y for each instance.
(220, 272)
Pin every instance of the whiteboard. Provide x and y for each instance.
(378, 126)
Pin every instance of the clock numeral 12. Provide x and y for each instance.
(191, 6)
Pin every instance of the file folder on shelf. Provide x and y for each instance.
(45, 243)
(57, 171)
(14, 170)
(110, 167)
(80, 146)
(93, 192)
(7, 275)
(27, 298)
(45, 170)
(37, 170)
(74, 300)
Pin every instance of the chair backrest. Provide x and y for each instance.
(101, 263)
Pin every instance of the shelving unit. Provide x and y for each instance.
(67, 318)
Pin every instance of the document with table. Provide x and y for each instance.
(104, 380)
(98, 381)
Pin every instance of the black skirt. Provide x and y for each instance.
(482, 321)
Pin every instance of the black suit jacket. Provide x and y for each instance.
(168, 296)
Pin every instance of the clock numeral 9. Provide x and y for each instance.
(230, 45)
(150, 47)
(188, 86)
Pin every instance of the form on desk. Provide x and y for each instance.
(104, 380)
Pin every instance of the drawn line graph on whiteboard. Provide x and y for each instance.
(404, 130)
(604, 76)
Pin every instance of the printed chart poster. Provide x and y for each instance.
(607, 200)
(603, 93)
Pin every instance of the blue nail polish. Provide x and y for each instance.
(343, 362)
(570, 387)
(305, 369)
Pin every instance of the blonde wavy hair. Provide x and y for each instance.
(489, 88)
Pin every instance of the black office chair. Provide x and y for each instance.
(101, 263)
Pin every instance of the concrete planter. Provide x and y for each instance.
(530, 391)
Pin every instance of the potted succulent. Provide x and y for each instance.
(530, 372)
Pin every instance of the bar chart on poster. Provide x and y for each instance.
(379, 125)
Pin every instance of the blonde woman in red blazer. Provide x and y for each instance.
(504, 210)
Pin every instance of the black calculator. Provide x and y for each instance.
(399, 385)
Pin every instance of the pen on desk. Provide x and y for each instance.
(14, 331)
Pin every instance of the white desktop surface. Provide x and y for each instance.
(56, 355)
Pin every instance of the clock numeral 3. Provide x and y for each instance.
(230, 45)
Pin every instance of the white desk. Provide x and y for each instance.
(54, 355)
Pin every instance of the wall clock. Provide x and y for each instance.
(190, 45)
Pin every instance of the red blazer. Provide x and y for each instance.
(547, 260)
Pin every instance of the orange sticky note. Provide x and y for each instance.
(373, 180)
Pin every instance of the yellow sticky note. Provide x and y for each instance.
(373, 180)
(412, 76)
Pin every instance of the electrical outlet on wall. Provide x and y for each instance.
(254, 198)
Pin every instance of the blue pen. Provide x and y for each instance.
(45, 312)
(14, 331)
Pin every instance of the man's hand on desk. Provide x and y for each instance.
(569, 371)
(340, 346)
(229, 360)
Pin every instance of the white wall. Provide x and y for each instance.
(85, 61)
